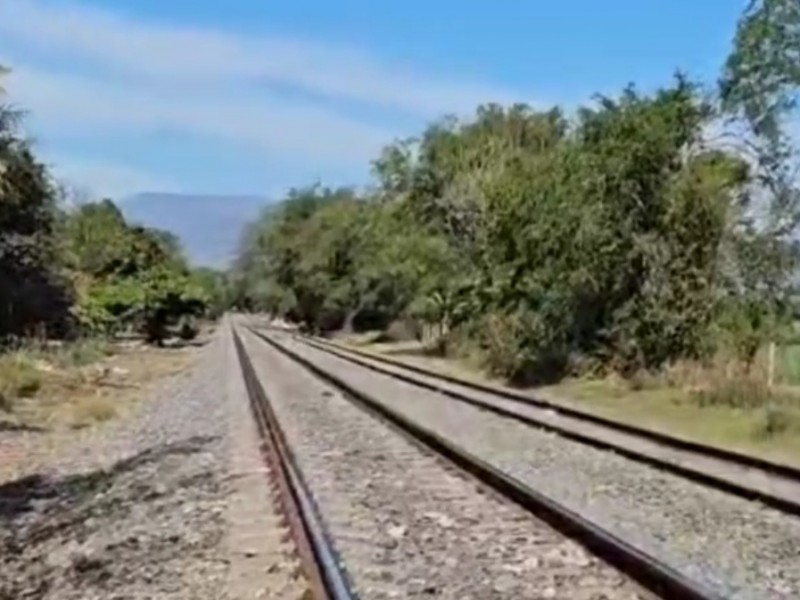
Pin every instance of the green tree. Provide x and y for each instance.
(759, 89)
(129, 276)
(34, 294)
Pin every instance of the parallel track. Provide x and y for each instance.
(648, 571)
(431, 380)
(326, 580)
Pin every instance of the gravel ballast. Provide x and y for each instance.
(135, 513)
(404, 524)
(739, 548)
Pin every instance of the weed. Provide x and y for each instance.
(788, 364)
(774, 420)
(643, 380)
(741, 392)
(85, 352)
(19, 378)
(402, 330)
(91, 409)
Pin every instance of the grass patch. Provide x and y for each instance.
(775, 421)
(735, 392)
(92, 409)
(19, 378)
(738, 413)
(79, 353)
(788, 364)
(28, 367)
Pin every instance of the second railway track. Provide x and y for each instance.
(734, 547)
(773, 484)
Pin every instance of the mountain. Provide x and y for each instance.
(209, 226)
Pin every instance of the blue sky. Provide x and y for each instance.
(253, 96)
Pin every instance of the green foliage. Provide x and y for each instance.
(83, 269)
(759, 89)
(331, 259)
(616, 238)
(133, 277)
(215, 287)
(34, 294)
(761, 75)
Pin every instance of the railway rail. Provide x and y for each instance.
(773, 484)
(322, 574)
(660, 579)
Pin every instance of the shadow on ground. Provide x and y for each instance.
(8, 426)
(19, 495)
(121, 528)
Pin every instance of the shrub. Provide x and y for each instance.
(402, 330)
(19, 378)
(774, 420)
(522, 348)
(188, 330)
(735, 392)
(81, 352)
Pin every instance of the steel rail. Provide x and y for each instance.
(648, 571)
(320, 562)
(736, 459)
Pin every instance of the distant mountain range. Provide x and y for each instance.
(209, 226)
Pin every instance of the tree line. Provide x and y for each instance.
(68, 271)
(641, 229)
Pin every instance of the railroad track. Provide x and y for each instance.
(322, 578)
(773, 484)
(615, 560)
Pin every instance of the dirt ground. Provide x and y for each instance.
(73, 403)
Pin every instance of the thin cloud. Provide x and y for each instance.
(106, 179)
(179, 53)
(95, 75)
(63, 104)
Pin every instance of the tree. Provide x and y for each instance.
(759, 88)
(129, 275)
(34, 294)
(535, 238)
(215, 287)
(762, 74)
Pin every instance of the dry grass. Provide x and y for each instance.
(91, 409)
(19, 378)
(78, 397)
(73, 387)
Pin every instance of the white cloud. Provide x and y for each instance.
(89, 74)
(181, 53)
(69, 104)
(98, 178)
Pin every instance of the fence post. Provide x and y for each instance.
(771, 365)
